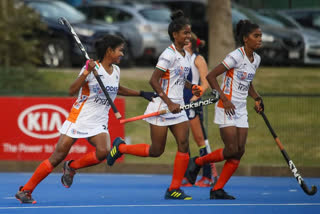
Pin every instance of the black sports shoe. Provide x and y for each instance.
(220, 194)
(25, 196)
(68, 174)
(177, 194)
(114, 154)
(192, 170)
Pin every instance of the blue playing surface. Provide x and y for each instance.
(133, 193)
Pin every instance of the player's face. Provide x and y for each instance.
(183, 36)
(254, 39)
(117, 54)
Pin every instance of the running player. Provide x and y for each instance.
(88, 117)
(168, 80)
(238, 69)
(199, 71)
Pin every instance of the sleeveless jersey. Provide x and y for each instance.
(91, 109)
(240, 73)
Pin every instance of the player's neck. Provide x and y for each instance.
(107, 65)
(249, 53)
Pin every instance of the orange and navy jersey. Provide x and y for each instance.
(175, 69)
(240, 72)
(92, 108)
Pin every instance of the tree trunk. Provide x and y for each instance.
(221, 39)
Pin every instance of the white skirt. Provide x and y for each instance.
(70, 129)
(239, 119)
(165, 119)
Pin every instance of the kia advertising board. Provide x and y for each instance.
(29, 127)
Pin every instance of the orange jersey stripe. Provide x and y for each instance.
(74, 113)
(229, 95)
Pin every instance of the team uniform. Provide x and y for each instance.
(175, 69)
(235, 85)
(89, 114)
(194, 78)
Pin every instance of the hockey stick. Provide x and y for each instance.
(205, 102)
(64, 21)
(292, 167)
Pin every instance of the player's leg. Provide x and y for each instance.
(234, 139)
(198, 135)
(102, 144)
(158, 138)
(45, 168)
(181, 133)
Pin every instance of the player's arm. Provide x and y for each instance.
(130, 92)
(79, 82)
(154, 82)
(202, 67)
(229, 108)
(258, 105)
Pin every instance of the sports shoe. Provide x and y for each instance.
(68, 174)
(220, 194)
(24, 196)
(204, 182)
(192, 170)
(185, 183)
(177, 194)
(114, 154)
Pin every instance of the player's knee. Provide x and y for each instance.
(230, 151)
(101, 153)
(56, 158)
(240, 153)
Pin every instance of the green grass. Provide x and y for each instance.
(294, 119)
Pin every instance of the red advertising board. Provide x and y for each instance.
(29, 127)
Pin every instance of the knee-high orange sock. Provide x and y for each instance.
(229, 168)
(179, 168)
(88, 159)
(43, 170)
(141, 150)
(213, 157)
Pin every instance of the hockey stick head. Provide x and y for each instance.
(310, 192)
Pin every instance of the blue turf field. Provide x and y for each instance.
(124, 193)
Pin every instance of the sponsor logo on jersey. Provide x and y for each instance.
(77, 104)
(101, 101)
(242, 75)
(42, 121)
(243, 87)
(74, 131)
(227, 88)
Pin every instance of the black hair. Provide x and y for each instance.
(178, 22)
(109, 41)
(244, 28)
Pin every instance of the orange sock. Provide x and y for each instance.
(141, 150)
(43, 170)
(88, 159)
(179, 168)
(229, 168)
(213, 157)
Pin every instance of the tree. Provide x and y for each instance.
(18, 47)
(18, 25)
(221, 39)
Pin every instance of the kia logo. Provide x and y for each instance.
(42, 121)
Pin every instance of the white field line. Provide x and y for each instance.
(158, 205)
